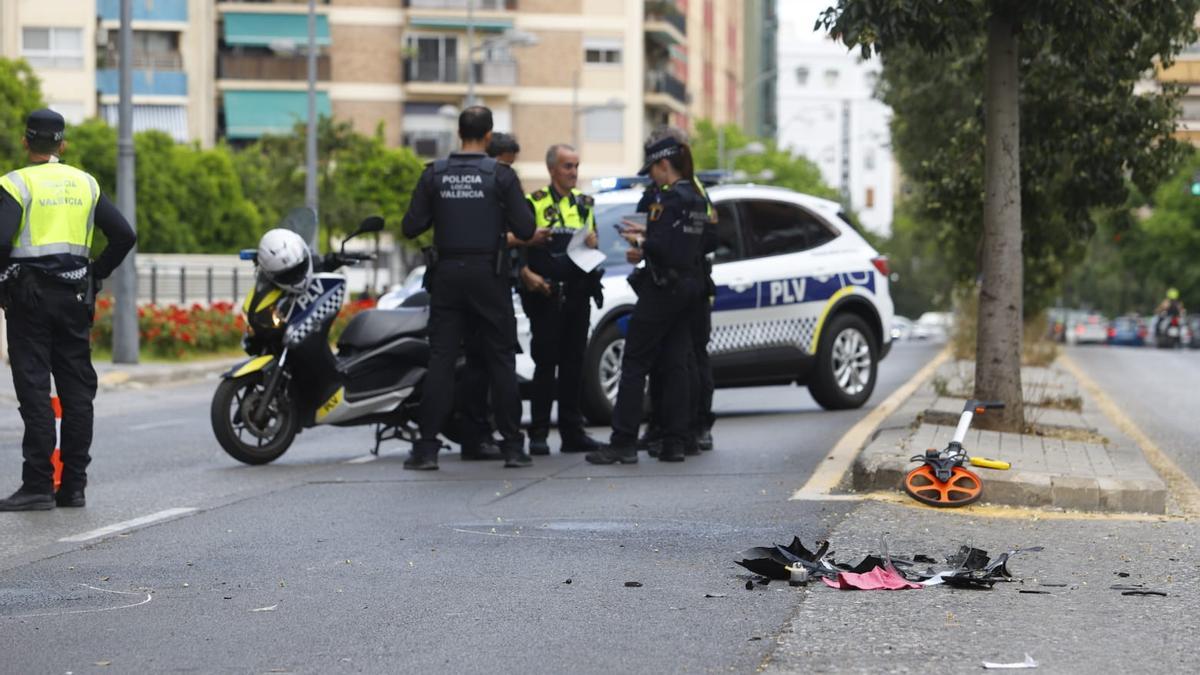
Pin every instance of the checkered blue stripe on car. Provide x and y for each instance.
(794, 332)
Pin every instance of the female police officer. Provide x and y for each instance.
(669, 287)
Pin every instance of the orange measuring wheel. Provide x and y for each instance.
(964, 487)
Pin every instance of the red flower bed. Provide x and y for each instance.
(174, 332)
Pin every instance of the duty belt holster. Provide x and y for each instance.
(430, 256)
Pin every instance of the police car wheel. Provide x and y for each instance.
(602, 374)
(847, 363)
(243, 439)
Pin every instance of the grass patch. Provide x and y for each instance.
(1036, 349)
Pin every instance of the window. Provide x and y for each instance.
(831, 78)
(802, 76)
(602, 51)
(605, 125)
(729, 245)
(869, 159)
(72, 111)
(776, 228)
(433, 58)
(53, 47)
(869, 202)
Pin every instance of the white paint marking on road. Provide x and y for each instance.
(362, 460)
(1181, 485)
(145, 600)
(839, 460)
(157, 425)
(127, 525)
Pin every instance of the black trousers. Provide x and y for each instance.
(48, 338)
(474, 388)
(558, 342)
(467, 295)
(700, 377)
(660, 337)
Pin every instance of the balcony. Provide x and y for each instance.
(663, 88)
(665, 23)
(486, 5)
(146, 82)
(145, 10)
(487, 73)
(234, 66)
(141, 60)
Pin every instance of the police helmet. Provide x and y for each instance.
(1172, 293)
(285, 259)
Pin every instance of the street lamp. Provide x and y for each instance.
(509, 38)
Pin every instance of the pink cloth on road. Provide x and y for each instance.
(875, 580)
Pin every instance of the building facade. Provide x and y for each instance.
(595, 73)
(827, 112)
(761, 68)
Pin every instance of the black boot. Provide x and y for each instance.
(672, 452)
(578, 442)
(22, 500)
(423, 456)
(70, 497)
(484, 450)
(612, 455)
(705, 439)
(537, 442)
(651, 441)
(514, 455)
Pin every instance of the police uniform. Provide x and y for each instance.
(558, 322)
(700, 379)
(469, 200)
(669, 287)
(48, 213)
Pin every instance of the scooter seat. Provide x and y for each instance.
(377, 326)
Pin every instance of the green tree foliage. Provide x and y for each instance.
(923, 283)
(20, 94)
(1082, 131)
(359, 176)
(188, 200)
(788, 170)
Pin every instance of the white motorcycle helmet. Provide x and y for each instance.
(284, 258)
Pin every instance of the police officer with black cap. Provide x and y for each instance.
(47, 285)
(470, 200)
(669, 288)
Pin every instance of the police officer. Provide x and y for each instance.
(475, 423)
(556, 296)
(47, 214)
(668, 288)
(700, 377)
(470, 200)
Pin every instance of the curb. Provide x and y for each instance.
(885, 460)
(153, 375)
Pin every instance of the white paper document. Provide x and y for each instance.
(585, 257)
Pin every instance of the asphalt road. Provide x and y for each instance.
(363, 567)
(1156, 388)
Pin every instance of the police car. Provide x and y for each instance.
(801, 298)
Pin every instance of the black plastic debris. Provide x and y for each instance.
(1144, 591)
(633, 584)
(1123, 575)
(1031, 591)
(968, 567)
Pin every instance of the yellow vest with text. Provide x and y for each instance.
(563, 214)
(58, 210)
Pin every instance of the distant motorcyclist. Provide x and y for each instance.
(1168, 313)
(1171, 306)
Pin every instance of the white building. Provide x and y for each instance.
(827, 112)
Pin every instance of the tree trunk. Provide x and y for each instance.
(998, 350)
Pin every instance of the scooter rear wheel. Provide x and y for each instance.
(964, 487)
(244, 440)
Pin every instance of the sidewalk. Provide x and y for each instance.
(117, 376)
(1081, 461)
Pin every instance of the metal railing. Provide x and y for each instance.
(662, 82)
(236, 66)
(668, 11)
(492, 5)
(143, 60)
(500, 73)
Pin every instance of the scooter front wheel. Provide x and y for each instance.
(245, 438)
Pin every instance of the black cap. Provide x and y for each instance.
(660, 149)
(45, 125)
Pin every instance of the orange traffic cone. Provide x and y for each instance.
(56, 456)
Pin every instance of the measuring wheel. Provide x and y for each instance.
(964, 487)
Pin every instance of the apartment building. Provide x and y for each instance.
(1186, 71)
(72, 45)
(827, 112)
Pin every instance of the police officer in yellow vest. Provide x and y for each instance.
(556, 297)
(48, 212)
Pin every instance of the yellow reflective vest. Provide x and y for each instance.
(58, 207)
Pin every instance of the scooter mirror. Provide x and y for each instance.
(371, 224)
